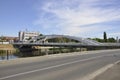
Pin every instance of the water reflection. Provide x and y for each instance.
(4, 56)
(7, 55)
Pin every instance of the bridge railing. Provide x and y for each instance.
(67, 44)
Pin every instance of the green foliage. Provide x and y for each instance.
(3, 39)
(41, 35)
(111, 40)
(29, 38)
(98, 39)
(62, 40)
(102, 40)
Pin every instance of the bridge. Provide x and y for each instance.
(81, 42)
(77, 66)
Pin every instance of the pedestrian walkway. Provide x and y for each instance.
(112, 73)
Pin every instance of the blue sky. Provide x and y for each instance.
(82, 18)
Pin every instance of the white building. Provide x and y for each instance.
(25, 35)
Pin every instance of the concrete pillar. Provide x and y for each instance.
(7, 54)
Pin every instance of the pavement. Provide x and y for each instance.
(46, 57)
(73, 66)
(112, 73)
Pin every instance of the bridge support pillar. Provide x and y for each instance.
(80, 49)
(46, 51)
(39, 51)
(7, 54)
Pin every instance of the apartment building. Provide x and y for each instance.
(26, 35)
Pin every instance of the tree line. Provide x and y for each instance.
(105, 39)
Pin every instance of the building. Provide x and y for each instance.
(25, 35)
(8, 39)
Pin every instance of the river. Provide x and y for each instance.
(39, 52)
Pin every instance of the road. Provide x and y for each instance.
(74, 67)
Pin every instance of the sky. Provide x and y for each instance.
(82, 18)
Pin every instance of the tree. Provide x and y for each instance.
(29, 38)
(98, 39)
(111, 40)
(105, 37)
(41, 35)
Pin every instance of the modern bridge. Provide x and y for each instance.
(77, 66)
(81, 42)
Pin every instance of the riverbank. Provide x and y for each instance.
(7, 47)
(7, 51)
(46, 57)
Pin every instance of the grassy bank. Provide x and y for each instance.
(7, 50)
(7, 47)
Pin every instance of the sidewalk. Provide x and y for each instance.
(112, 73)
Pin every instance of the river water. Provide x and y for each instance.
(32, 53)
(8, 58)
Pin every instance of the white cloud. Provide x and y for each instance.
(115, 34)
(83, 31)
(71, 17)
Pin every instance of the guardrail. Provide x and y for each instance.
(66, 44)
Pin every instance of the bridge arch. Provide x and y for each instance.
(44, 38)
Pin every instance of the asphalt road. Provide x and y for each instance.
(73, 67)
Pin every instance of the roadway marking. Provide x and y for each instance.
(23, 73)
